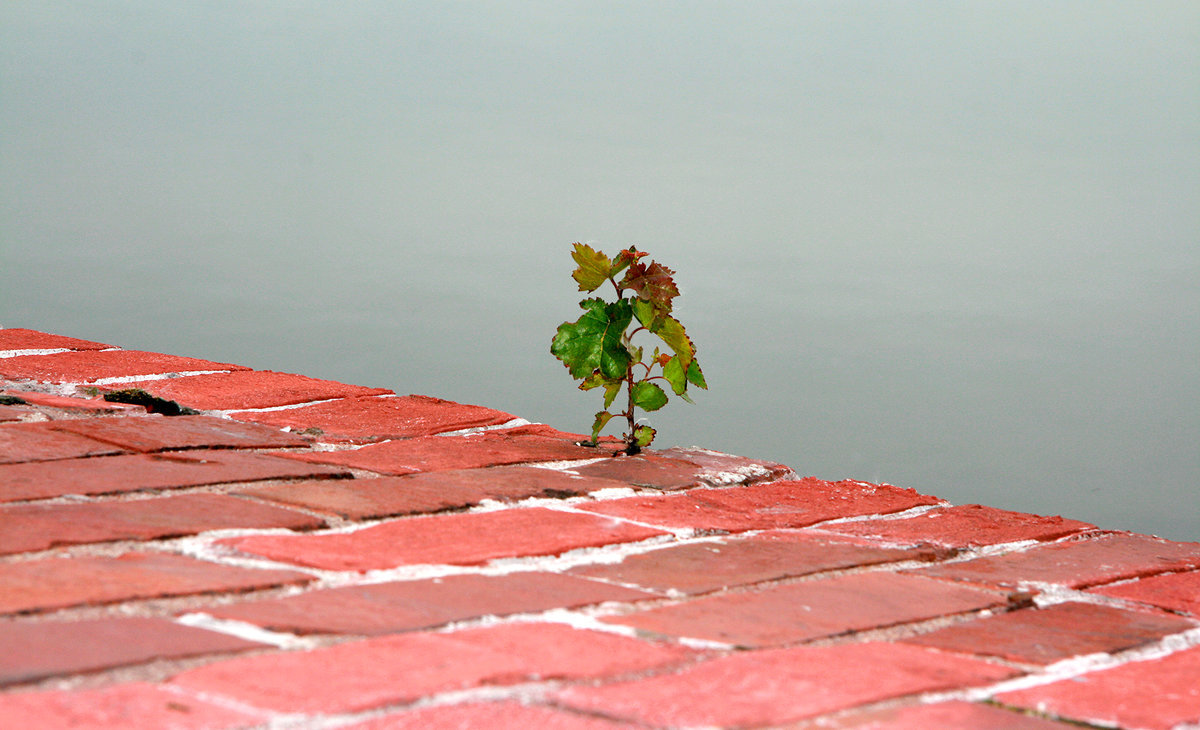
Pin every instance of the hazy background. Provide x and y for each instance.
(950, 246)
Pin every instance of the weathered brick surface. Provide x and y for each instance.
(796, 612)
(89, 366)
(381, 608)
(69, 403)
(1173, 591)
(942, 716)
(34, 650)
(710, 566)
(765, 506)
(32, 527)
(18, 338)
(472, 451)
(41, 585)
(248, 389)
(1076, 563)
(136, 472)
(492, 716)
(457, 539)
(120, 707)
(751, 689)
(394, 669)
(1054, 633)
(363, 420)
(1157, 694)
(160, 433)
(964, 526)
(22, 442)
(430, 491)
(824, 606)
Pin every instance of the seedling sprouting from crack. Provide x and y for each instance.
(598, 349)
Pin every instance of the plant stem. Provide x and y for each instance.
(631, 446)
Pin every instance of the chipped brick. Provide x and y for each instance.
(136, 472)
(710, 566)
(121, 707)
(32, 527)
(1157, 694)
(1076, 563)
(364, 420)
(428, 492)
(942, 716)
(455, 539)
(161, 433)
(437, 453)
(382, 608)
(964, 526)
(775, 686)
(764, 506)
(1173, 591)
(41, 585)
(403, 668)
(18, 338)
(1057, 632)
(249, 389)
(89, 366)
(25, 442)
(493, 716)
(796, 612)
(30, 651)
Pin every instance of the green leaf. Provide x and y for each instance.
(602, 419)
(648, 396)
(622, 260)
(594, 342)
(669, 329)
(653, 283)
(594, 267)
(610, 392)
(673, 372)
(643, 435)
(695, 375)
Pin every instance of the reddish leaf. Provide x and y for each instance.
(652, 283)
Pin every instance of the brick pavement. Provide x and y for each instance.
(299, 553)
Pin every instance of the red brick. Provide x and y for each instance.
(774, 686)
(704, 567)
(1159, 694)
(9, 414)
(764, 506)
(161, 433)
(17, 338)
(964, 526)
(90, 405)
(248, 389)
(403, 668)
(134, 472)
(942, 716)
(720, 468)
(32, 527)
(121, 707)
(31, 651)
(429, 492)
(645, 471)
(86, 367)
(456, 539)
(1047, 635)
(490, 715)
(1076, 563)
(22, 442)
(40, 585)
(363, 420)
(1173, 591)
(437, 453)
(383, 608)
(796, 612)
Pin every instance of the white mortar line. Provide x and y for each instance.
(23, 353)
(155, 376)
(245, 630)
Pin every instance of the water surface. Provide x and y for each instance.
(950, 246)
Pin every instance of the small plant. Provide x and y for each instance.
(598, 349)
